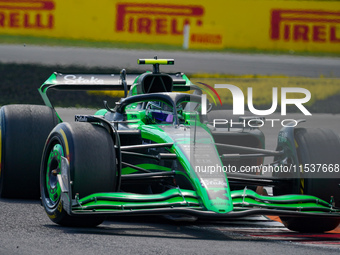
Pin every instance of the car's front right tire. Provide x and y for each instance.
(23, 132)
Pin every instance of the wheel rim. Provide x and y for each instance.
(53, 168)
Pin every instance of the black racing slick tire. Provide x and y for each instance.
(90, 152)
(317, 146)
(23, 132)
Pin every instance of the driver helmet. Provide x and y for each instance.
(159, 112)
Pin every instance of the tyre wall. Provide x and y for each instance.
(249, 24)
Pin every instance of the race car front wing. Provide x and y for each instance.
(181, 201)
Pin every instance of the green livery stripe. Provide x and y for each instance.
(176, 198)
(99, 204)
(101, 112)
(249, 199)
(248, 202)
(120, 196)
(129, 170)
(128, 201)
(277, 199)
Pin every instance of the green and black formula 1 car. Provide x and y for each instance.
(159, 152)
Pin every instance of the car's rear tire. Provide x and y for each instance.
(92, 165)
(23, 132)
(316, 146)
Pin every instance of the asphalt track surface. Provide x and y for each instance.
(188, 62)
(25, 228)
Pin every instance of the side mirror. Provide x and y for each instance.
(123, 78)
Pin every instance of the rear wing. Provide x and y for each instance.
(61, 81)
(97, 81)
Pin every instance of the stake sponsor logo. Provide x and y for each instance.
(74, 79)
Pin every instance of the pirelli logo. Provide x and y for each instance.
(157, 19)
(27, 14)
(305, 25)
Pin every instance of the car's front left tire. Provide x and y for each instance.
(315, 148)
(90, 152)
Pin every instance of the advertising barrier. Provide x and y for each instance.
(249, 24)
